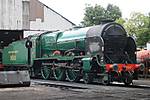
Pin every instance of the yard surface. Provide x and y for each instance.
(88, 92)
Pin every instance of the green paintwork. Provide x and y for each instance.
(86, 64)
(73, 54)
(35, 48)
(43, 48)
(72, 39)
(15, 53)
(73, 75)
(64, 58)
(47, 44)
(62, 41)
(73, 35)
(59, 74)
(46, 72)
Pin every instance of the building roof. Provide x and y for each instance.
(58, 13)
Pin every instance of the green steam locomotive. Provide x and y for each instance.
(102, 53)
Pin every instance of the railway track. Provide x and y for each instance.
(81, 85)
(60, 84)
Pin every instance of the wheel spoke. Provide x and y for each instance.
(59, 74)
(73, 75)
(87, 78)
(46, 72)
(128, 78)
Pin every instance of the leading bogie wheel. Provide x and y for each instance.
(128, 79)
(87, 78)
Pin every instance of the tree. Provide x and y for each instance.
(120, 21)
(113, 12)
(143, 38)
(94, 15)
(138, 26)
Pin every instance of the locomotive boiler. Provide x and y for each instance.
(102, 53)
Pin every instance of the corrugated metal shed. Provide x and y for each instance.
(30, 15)
(20, 18)
(49, 20)
(10, 14)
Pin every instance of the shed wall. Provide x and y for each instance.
(30, 15)
(10, 14)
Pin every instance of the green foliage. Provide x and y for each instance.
(120, 21)
(143, 38)
(94, 15)
(137, 22)
(139, 26)
(113, 12)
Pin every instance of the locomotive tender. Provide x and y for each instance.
(102, 53)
